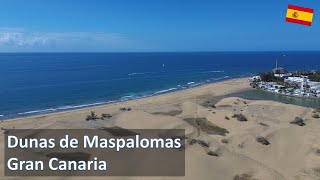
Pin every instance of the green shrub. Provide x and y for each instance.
(240, 117)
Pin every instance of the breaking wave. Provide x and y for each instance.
(164, 91)
(62, 108)
(123, 98)
(129, 97)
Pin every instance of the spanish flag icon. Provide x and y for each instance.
(299, 15)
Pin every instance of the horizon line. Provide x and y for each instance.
(87, 52)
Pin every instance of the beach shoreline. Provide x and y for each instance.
(215, 107)
(19, 116)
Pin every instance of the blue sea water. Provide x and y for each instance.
(33, 83)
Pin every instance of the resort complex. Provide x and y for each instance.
(281, 81)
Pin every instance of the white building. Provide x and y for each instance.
(314, 85)
(279, 86)
(303, 81)
(280, 72)
(296, 80)
(283, 75)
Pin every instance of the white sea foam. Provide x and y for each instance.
(220, 78)
(195, 84)
(61, 108)
(129, 97)
(164, 91)
(217, 71)
(132, 74)
(79, 106)
(1, 115)
(190, 83)
(38, 111)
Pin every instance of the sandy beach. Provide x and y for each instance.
(293, 152)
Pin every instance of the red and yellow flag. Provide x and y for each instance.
(299, 15)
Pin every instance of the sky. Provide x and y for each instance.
(154, 26)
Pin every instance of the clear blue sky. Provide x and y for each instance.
(150, 25)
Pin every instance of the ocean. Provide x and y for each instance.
(33, 83)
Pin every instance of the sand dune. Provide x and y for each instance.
(293, 152)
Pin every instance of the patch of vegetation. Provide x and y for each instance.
(209, 102)
(203, 143)
(211, 153)
(125, 109)
(317, 171)
(193, 141)
(225, 141)
(92, 116)
(104, 115)
(262, 140)
(243, 177)
(317, 110)
(227, 118)
(225, 106)
(200, 142)
(316, 116)
(264, 124)
(298, 121)
(241, 145)
(269, 77)
(211, 128)
(214, 129)
(240, 117)
(206, 126)
(170, 113)
(315, 76)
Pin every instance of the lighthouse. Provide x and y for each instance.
(303, 83)
(280, 72)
